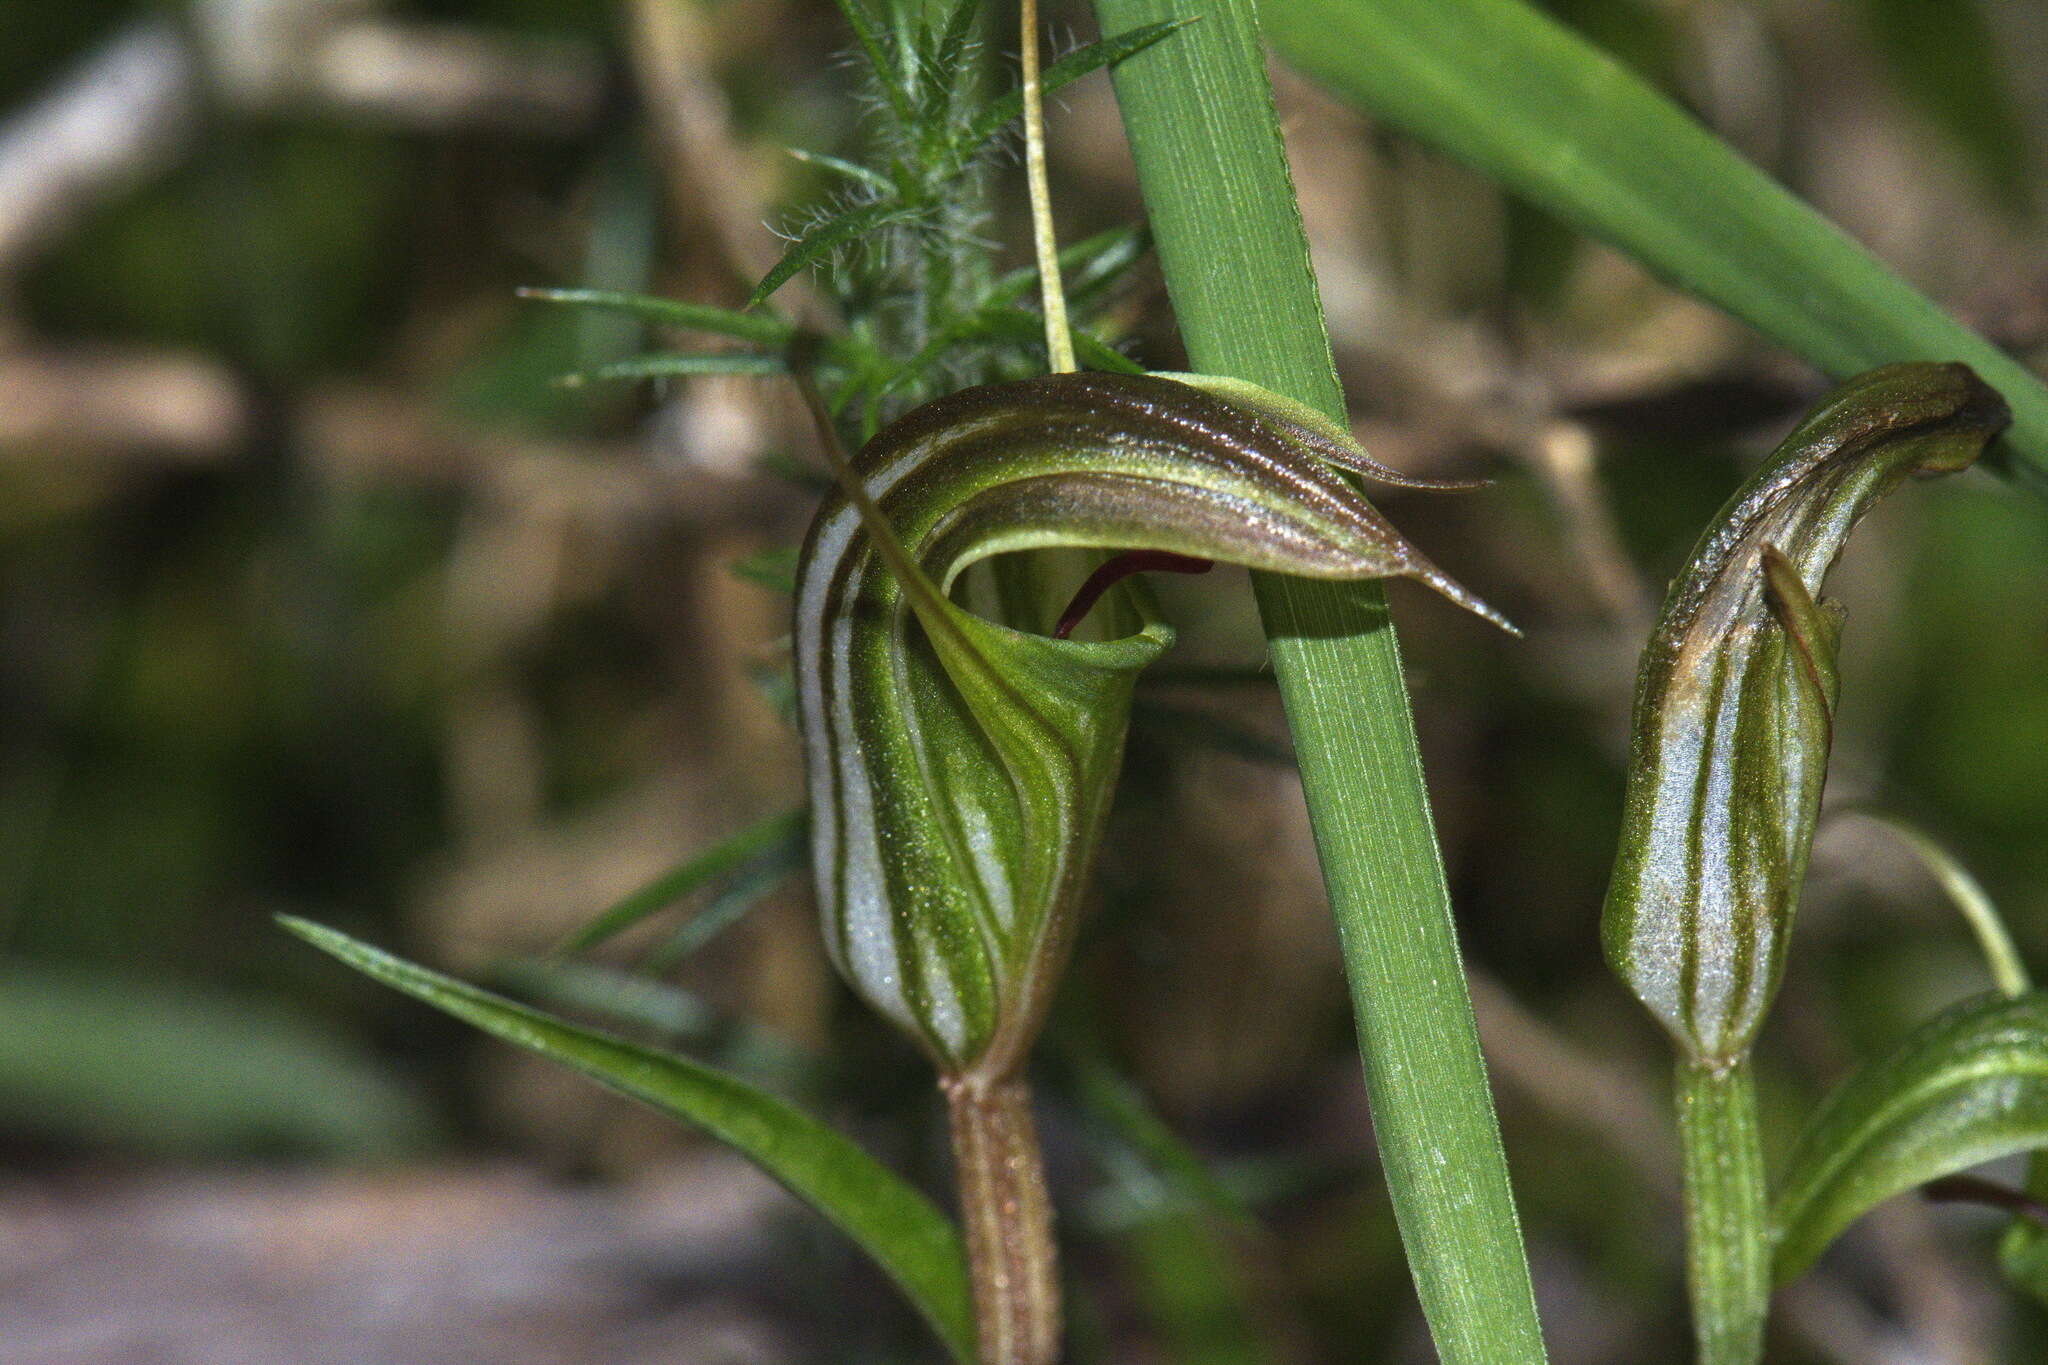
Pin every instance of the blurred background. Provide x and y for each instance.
(318, 596)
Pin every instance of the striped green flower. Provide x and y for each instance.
(959, 768)
(1734, 710)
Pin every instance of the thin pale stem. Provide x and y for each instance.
(1059, 342)
(1966, 893)
(1727, 1238)
(1011, 1256)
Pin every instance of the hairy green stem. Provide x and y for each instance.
(1727, 1237)
(1011, 1256)
(1221, 203)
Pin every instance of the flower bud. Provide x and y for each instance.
(1734, 709)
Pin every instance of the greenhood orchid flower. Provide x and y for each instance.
(960, 769)
(1735, 702)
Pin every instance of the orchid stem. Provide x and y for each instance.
(1728, 1257)
(1011, 1256)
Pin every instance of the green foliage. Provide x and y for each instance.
(902, 250)
(700, 869)
(1734, 712)
(903, 253)
(1968, 1087)
(187, 1069)
(905, 1233)
(1499, 85)
(1214, 172)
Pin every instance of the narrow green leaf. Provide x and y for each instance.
(150, 1063)
(783, 830)
(887, 77)
(999, 322)
(2023, 1251)
(852, 170)
(1503, 87)
(1095, 355)
(1087, 266)
(1968, 1087)
(750, 886)
(944, 60)
(822, 239)
(676, 366)
(1735, 699)
(1007, 109)
(1192, 1287)
(905, 1233)
(654, 1008)
(657, 1010)
(1221, 204)
(1021, 324)
(758, 328)
(1125, 1110)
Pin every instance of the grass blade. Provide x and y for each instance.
(851, 170)
(750, 886)
(1216, 184)
(676, 366)
(1520, 97)
(905, 1232)
(758, 328)
(783, 830)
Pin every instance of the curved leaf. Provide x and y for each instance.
(1509, 90)
(1969, 1087)
(905, 1232)
(1734, 710)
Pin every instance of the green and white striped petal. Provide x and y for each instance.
(1735, 702)
(959, 769)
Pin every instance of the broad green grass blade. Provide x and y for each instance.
(1517, 95)
(905, 1232)
(1216, 184)
(1968, 1087)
